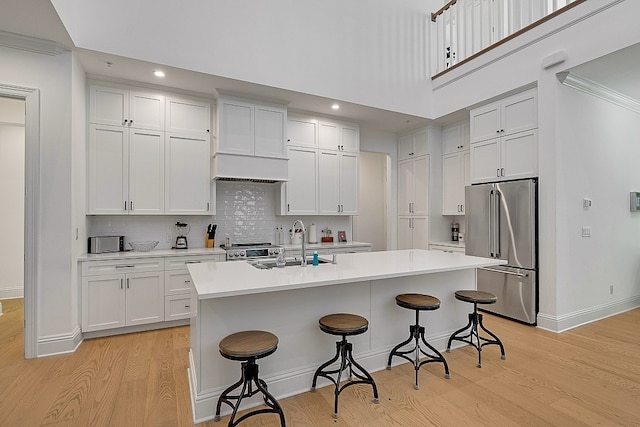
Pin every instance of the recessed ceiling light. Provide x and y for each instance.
(335, 107)
(158, 73)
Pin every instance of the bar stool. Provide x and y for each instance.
(248, 346)
(344, 325)
(418, 302)
(475, 320)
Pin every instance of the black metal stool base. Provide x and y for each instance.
(416, 333)
(248, 380)
(344, 352)
(475, 320)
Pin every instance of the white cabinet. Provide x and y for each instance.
(125, 171)
(187, 175)
(413, 232)
(302, 187)
(455, 168)
(302, 131)
(251, 129)
(122, 293)
(509, 157)
(504, 139)
(338, 136)
(117, 106)
(337, 182)
(513, 114)
(188, 116)
(413, 186)
(412, 145)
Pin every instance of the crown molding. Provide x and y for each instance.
(30, 44)
(586, 85)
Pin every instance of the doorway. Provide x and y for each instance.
(370, 225)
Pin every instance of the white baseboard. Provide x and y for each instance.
(11, 293)
(59, 344)
(569, 321)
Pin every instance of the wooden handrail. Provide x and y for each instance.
(510, 37)
(442, 9)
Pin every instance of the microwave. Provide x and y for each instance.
(102, 244)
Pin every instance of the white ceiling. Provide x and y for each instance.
(38, 18)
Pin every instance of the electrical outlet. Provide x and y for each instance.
(586, 231)
(610, 289)
(169, 237)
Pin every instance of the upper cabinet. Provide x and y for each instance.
(412, 145)
(131, 108)
(455, 168)
(338, 136)
(504, 139)
(140, 161)
(251, 129)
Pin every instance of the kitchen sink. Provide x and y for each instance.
(289, 262)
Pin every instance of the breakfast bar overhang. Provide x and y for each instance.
(229, 297)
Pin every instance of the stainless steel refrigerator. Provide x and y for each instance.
(501, 222)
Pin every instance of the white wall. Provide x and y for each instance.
(12, 153)
(56, 320)
(371, 52)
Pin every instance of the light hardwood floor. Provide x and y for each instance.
(587, 376)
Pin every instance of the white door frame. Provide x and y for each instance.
(31, 208)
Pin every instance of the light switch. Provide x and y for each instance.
(586, 203)
(586, 231)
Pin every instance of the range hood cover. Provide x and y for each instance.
(232, 167)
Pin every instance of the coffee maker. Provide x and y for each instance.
(182, 230)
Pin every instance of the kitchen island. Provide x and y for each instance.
(234, 296)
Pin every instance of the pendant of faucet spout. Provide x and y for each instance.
(304, 231)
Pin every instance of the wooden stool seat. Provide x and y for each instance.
(248, 344)
(479, 297)
(343, 324)
(418, 302)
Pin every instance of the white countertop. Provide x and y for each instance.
(216, 280)
(152, 254)
(450, 243)
(332, 245)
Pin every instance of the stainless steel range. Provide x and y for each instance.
(247, 251)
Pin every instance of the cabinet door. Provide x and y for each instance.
(420, 228)
(349, 183)
(485, 122)
(108, 106)
(146, 172)
(328, 135)
(144, 298)
(519, 113)
(107, 187)
(177, 307)
(236, 127)
(302, 189)
(420, 186)
(419, 143)
(301, 131)
(350, 138)
(328, 182)
(146, 111)
(452, 185)
(466, 175)
(405, 147)
(519, 154)
(269, 131)
(187, 175)
(103, 302)
(177, 282)
(485, 161)
(451, 140)
(466, 136)
(188, 116)
(405, 186)
(405, 233)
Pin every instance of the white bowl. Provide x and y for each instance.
(143, 246)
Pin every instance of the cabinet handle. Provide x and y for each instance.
(498, 131)
(288, 207)
(187, 281)
(128, 283)
(207, 130)
(193, 262)
(125, 121)
(125, 205)
(501, 130)
(338, 208)
(131, 206)
(130, 122)
(121, 284)
(502, 172)
(125, 266)
(498, 172)
(207, 206)
(187, 306)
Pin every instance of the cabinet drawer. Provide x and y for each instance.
(177, 307)
(180, 263)
(176, 282)
(446, 248)
(122, 266)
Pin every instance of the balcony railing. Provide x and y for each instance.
(464, 29)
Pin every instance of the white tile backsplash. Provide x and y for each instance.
(245, 212)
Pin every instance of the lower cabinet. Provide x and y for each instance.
(122, 293)
(413, 232)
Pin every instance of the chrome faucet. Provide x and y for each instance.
(303, 263)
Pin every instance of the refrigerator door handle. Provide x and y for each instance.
(491, 231)
(504, 272)
(496, 209)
